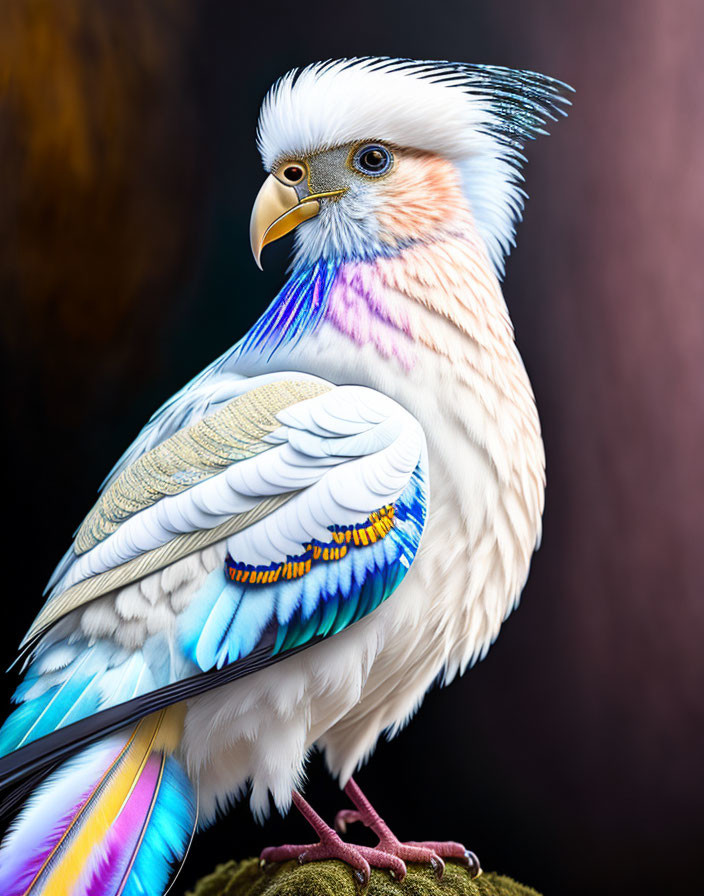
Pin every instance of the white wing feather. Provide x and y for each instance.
(342, 455)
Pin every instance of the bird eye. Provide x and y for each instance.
(372, 160)
(293, 174)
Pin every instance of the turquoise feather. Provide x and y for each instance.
(99, 677)
(226, 619)
(167, 835)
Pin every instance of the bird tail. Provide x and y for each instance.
(111, 821)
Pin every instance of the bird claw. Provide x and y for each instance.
(330, 847)
(266, 866)
(435, 853)
(390, 854)
(471, 863)
(361, 877)
(384, 860)
(426, 852)
(438, 866)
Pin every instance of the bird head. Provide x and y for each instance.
(368, 155)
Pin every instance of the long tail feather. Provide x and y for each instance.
(109, 822)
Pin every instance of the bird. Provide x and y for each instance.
(337, 513)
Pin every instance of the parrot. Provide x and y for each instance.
(336, 514)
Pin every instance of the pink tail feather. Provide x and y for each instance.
(109, 822)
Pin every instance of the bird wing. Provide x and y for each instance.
(224, 423)
(293, 510)
(207, 393)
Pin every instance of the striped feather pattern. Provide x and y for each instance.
(109, 822)
(227, 619)
(97, 676)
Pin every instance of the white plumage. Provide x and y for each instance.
(386, 398)
(461, 112)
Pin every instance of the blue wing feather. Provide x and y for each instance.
(225, 620)
(364, 578)
(20, 721)
(167, 835)
(101, 676)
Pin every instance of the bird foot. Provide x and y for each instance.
(331, 846)
(390, 854)
(426, 852)
(433, 852)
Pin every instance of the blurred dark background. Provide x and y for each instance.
(572, 757)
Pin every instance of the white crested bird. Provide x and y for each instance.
(336, 513)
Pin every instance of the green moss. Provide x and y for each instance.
(335, 879)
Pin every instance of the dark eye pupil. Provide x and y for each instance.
(293, 173)
(373, 159)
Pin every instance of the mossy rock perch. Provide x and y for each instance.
(335, 879)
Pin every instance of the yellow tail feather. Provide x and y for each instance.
(158, 732)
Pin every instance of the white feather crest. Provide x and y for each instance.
(478, 116)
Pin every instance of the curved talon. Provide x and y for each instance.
(471, 862)
(266, 866)
(384, 861)
(361, 876)
(398, 876)
(438, 866)
(334, 848)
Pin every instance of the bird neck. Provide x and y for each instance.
(439, 293)
(428, 326)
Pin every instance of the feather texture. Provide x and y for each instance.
(394, 311)
(109, 822)
(478, 116)
(226, 619)
(101, 675)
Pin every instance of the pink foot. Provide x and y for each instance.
(331, 846)
(428, 852)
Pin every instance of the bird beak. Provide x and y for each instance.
(277, 211)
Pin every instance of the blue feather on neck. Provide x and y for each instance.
(295, 312)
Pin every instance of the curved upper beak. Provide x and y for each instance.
(277, 211)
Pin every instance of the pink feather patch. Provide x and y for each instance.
(49, 813)
(109, 874)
